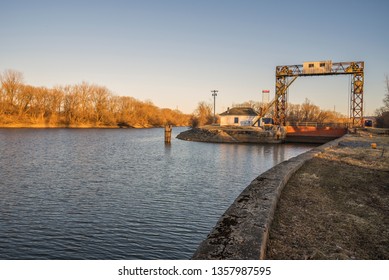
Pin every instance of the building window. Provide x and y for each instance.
(310, 65)
(322, 64)
(236, 120)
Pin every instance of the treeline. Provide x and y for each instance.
(383, 112)
(308, 112)
(81, 105)
(296, 113)
(305, 112)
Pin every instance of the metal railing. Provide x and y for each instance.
(319, 125)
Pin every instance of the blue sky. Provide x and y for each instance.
(175, 52)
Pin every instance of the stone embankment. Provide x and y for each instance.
(217, 134)
(243, 230)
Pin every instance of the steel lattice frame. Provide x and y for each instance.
(357, 100)
(286, 75)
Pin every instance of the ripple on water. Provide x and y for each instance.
(118, 194)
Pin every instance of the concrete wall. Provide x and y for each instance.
(242, 231)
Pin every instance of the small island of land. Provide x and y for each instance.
(233, 134)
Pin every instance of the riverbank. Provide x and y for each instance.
(44, 125)
(338, 201)
(337, 205)
(11, 123)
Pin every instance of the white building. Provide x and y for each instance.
(238, 116)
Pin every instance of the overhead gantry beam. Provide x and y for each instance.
(286, 75)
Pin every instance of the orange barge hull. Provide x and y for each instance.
(311, 134)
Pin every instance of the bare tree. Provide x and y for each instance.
(24, 100)
(202, 115)
(100, 102)
(11, 84)
(55, 105)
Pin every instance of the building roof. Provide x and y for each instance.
(239, 111)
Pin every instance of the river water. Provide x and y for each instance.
(118, 193)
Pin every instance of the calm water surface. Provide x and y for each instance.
(118, 193)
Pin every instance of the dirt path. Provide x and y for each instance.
(337, 205)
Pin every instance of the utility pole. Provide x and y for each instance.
(214, 94)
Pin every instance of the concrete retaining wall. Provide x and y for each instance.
(242, 231)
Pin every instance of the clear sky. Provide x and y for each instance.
(174, 52)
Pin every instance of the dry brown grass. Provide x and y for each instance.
(337, 205)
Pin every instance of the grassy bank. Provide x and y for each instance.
(337, 205)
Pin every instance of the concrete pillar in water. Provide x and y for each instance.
(168, 133)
